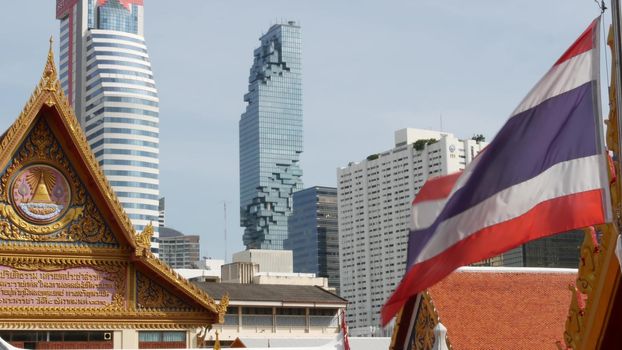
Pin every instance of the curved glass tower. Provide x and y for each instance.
(106, 73)
(271, 138)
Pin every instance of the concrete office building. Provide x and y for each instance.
(271, 138)
(268, 260)
(161, 211)
(259, 266)
(106, 74)
(178, 250)
(374, 204)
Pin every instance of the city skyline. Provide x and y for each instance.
(502, 50)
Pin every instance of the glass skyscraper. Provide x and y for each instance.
(271, 138)
(561, 250)
(106, 73)
(313, 237)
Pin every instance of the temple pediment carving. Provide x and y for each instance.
(69, 256)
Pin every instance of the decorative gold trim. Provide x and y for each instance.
(94, 315)
(189, 288)
(63, 324)
(143, 252)
(151, 295)
(11, 248)
(32, 254)
(59, 263)
(85, 222)
(49, 92)
(8, 211)
(396, 328)
(222, 308)
(427, 319)
(143, 241)
(599, 271)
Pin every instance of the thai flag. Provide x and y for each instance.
(544, 173)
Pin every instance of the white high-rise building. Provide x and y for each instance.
(106, 74)
(374, 204)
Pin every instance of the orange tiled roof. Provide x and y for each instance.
(507, 308)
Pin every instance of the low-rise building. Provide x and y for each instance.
(268, 260)
(208, 270)
(268, 267)
(260, 311)
(238, 272)
(296, 279)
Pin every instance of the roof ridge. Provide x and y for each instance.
(511, 269)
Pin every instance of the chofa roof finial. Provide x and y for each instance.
(50, 77)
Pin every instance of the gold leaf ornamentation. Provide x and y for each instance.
(190, 288)
(151, 295)
(222, 308)
(593, 284)
(49, 93)
(143, 241)
(50, 77)
(81, 223)
(33, 142)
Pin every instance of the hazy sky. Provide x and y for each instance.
(369, 68)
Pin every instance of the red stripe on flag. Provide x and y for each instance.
(547, 218)
(584, 43)
(437, 188)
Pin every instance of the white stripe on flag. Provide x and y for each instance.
(562, 179)
(559, 79)
(424, 213)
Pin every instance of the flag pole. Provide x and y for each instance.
(617, 79)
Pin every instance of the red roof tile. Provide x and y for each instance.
(511, 309)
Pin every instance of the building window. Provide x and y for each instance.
(290, 311)
(161, 339)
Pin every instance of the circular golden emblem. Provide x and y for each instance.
(40, 194)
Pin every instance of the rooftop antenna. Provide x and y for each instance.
(441, 118)
(224, 203)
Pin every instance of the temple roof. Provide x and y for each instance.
(270, 292)
(504, 308)
(47, 119)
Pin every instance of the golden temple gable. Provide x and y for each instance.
(70, 259)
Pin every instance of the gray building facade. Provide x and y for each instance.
(313, 233)
(271, 138)
(178, 250)
(560, 250)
